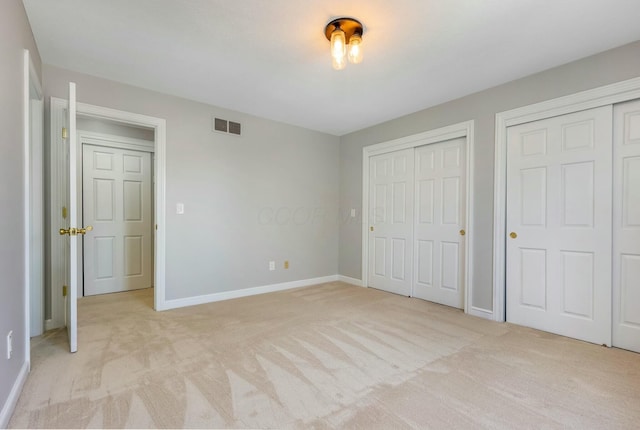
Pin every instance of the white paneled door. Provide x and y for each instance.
(626, 227)
(117, 202)
(391, 186)
(440, 197)
(559, 179)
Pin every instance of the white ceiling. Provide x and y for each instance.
(270, 58)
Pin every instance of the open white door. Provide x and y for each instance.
(71, 298)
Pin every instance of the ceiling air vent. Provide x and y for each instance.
(229, 127)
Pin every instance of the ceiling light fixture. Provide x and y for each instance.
(345, 35)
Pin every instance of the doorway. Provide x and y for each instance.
(156, 126)
(619, 320)
(117, 202)
(404, 181)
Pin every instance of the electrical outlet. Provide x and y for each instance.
(9, 345)
(286, 264)
(272, 265)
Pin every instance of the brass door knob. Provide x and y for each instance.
(85, 230)
(513, 235)
(371, 228)
(462, 232)
(71, 231)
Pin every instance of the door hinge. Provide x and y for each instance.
(64, 132)
(64, 291)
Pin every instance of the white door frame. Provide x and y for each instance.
(602, 96)
(58, 107)
(109, 141)
(463, 129)
(34, 267)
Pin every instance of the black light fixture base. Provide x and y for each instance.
(350, 26)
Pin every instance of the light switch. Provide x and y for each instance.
(353, 213)
(180, 208)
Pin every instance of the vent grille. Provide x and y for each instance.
(224, 126)
(234, 128)
(220, 125)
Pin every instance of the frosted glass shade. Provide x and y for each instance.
(355, 49)
(338, 49)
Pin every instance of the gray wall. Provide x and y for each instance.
(271, 194)
(605, 68)
(15, 35)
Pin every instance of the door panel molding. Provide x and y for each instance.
(601, 96)
(462, 129)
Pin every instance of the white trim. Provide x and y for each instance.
(234, 294)
(33, 199)
(26, 124)
(127, 118)
(352, 281)
(602, 96)
(14, 395)
(56, 195)
(462, 129)
(481, 313)
(114, 141)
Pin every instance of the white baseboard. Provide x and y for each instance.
(14, 395)
(352, 281)
(481, 313)
(226, 295)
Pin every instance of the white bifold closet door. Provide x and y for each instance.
(559, 179)
(391, 188)
(626, 226)
(440, 220)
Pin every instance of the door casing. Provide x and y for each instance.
(34, 235)
(462, 129)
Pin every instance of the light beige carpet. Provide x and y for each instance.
(328, 356)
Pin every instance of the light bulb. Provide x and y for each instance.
(338, 63)
(355, 49)
(338, 48)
